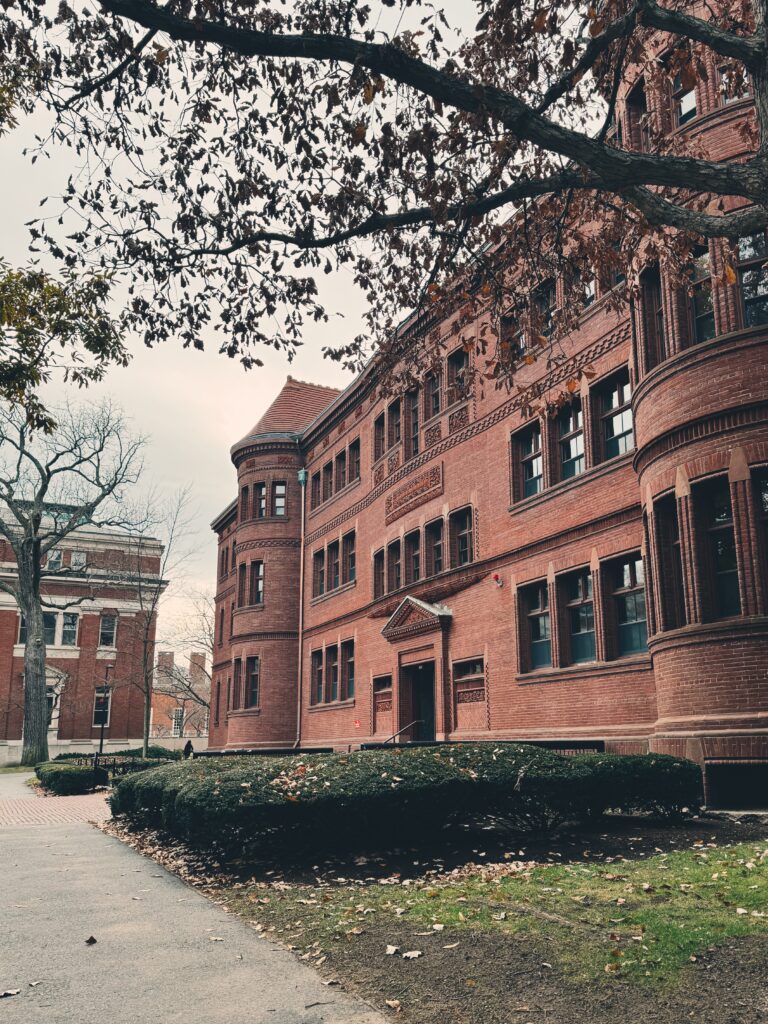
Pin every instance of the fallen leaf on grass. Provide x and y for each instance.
(391, 950)
(393, 1004)
(611, 968)
(412, 954)
(452, 945)
(215, 938)
(354, 931)
(9, 992)
(34, 984)
(438, 927)
(331, 981)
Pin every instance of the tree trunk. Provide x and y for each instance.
(147, 714)
(35, 735)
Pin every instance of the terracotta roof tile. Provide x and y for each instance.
(297, 404)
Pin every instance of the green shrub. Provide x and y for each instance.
(69, 779)
(153, 752)
(650, 783)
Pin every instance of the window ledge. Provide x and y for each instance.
(262, 519)
(244, 713)
(384, 455)
(250, 608)
(51, 651)
(593, 473)
(339, 494)
(585, 669)
(319, 598)
(332, 705)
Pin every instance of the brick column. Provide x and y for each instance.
(752, 585)
(599, 608)
(555, 625)
(689, 548)
(649, 570)
(589, 427)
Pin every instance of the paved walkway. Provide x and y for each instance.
(20, 806)
(163, 953)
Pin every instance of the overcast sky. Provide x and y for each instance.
(194, 405)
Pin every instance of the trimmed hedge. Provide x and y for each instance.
(153, 752)
(69, 779)
(646, 783)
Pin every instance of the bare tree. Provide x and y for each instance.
(398, 140)
(80, 475)
(168, 520)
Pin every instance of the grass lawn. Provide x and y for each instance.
(11, 768)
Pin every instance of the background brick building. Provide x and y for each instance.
(440, 565)
(93, 643)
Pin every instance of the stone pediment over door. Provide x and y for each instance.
(412, 617)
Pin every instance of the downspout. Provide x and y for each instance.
(302, 475)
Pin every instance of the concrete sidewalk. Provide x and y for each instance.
(157, 957)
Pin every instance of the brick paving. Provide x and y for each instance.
(18, 809)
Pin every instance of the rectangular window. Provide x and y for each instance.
(177, 722)
(354, 461)
(237, 682)
(49, 629)
(394, 423)
(252, 680)
(333, 565)
(432, 395)
(753, 279)
(69, 629)
(317, 677)
(462, 547)
(543, 301)
(278, 498)
(221, 626)
(348, 558)
(433, 547)
(241, 584)
(713, 503)
(314, 491)
(382, 683)
(668, 541)
(702, 307)
(394, 567)
(580, 607)
(378, 574)
(341, 470)
(638, 120)
(529, 460)
(535, 606)
(318, 573)
(652, 312)
(588, 283)
(53, 561)
(347, 669)
(327, 481)
(379, 434)
(513, 338)
(472, 668)
(616, 400)
(761, 495)
(734, 83)
(244, 504)
(232, 619)
(411, 424)
(571, 431)
(260, 500)
(683, 101)
(217, 705)
(256, 595)
(108, 631)
(78, 561)
(331, 673)
(629, 604)
(412, 557)
(458, 372)
(102, 701)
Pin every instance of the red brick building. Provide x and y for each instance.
(94, 641)
(441, 559)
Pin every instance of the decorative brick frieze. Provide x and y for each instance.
(416, 492)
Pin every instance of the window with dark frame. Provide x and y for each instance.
(543, 302)
(394, 566)
(629, 605)
(432, 387)
(462, 546)
(382, 683)
(252, 681)
(244, 510)
(315, 497)
(411, 424)
(412, 543)
(735, 84)
(470, 668)
(221, 626)
(512, 335)
(318, 573)
(702, 310)
(327, 481)
(256, 595)
(348, 558)
(713, 504)
(278, 498)
(317, 677)
(683, 101)
(241, 585)
(341, 470)
(237, 680)
(580, 609)
(379, 436)
(618, 436)
(458, 370)
(49, 630)
(535, 606)
(652, 312)
(433, 547)
(217, 704)
(571, 440)
(529, 459)
(331, 673)
(102, 701)
(753, 279)
(347, 669)
(379, 587)
(394, 423)
(260, 500)
(638, 119)
(354, 460)
(670, 557)
(232, 619)
(761, 496)
(333, 566)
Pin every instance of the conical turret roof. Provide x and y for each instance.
(295, 407)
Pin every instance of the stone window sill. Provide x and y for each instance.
(585, 669)
(333, 705)
(593, 473)
(319, 598)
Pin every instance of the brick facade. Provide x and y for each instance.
(528, 621)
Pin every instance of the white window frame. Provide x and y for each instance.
(177, 722)
(113, 645)
(53, 561)
(78, 560)
(60, 629)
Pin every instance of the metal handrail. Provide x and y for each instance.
(416, 721)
